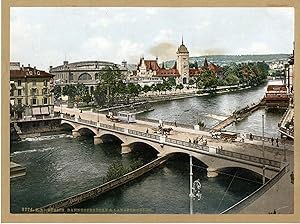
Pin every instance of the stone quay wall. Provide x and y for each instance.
(95, 192)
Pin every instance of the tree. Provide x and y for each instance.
(86, 98)
(81, 90)
(231, 79)
(196, 64)
(100, 96)
(146, 89)
(180, 87)
(208, 80)
(191, 82)
(70, 91)
(109, 78)
(57, 91)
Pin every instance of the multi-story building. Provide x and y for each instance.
(85, 72)
(149, 71)
(32, 89)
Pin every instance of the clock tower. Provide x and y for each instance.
(183, 63)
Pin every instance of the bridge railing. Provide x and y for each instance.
(174, 124)
(250, 158)
(87, 121)
(143, 134)
(67, 116)
(187, 144)
(256, 194)
(259, 138)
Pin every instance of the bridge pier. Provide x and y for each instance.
(125, 149)
(97, 140)
(211, 172)
(75, 133)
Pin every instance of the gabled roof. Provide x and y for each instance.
(28, 72)
(151, 65)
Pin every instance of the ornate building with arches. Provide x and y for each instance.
(85, 72)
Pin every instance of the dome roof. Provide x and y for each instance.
(182, 48)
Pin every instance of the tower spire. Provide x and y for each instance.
(182, 39)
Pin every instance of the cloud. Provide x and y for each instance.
(97, 44)
(130, 51)
(202, 25)
(164, 35)
(211, 51)
(151, 11)
(256, 48)
(164, 51)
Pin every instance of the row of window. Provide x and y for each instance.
(33, 83)
(34, 101)
(34, 92)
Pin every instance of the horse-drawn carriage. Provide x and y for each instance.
(111, 117)
(161, 130)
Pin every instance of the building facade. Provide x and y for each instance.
(31, 89)
(85, 72)
(149, 72)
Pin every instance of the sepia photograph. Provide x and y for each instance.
(151, 110)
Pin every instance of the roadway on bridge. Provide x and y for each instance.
(250, 147)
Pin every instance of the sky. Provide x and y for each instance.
(47, 36)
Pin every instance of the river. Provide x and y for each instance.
(211, 109)
(59, 166)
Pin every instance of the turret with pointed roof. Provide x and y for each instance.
(182, 48)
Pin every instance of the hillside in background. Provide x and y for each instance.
(227, 59)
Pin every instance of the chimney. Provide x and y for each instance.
(28, 65)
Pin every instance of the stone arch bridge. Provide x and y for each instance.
(213, 157)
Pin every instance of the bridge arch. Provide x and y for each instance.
(111, 137)
(144, 146)
(254, 171)
(68, 124)
(201, 163)
(81, 128)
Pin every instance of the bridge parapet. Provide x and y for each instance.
(256, 194)
(189, 147)
(188, 144)
(250, 158)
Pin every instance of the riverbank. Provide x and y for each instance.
(169, 96)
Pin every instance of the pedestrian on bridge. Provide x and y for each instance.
(277, 142)
(272, 140)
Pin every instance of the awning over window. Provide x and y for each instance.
(36, 111)
(44, 110)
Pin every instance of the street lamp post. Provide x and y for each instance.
(191, 185)
(263, 147)
(195, 187)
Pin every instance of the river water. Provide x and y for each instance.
(211, 109)
(59, 166)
